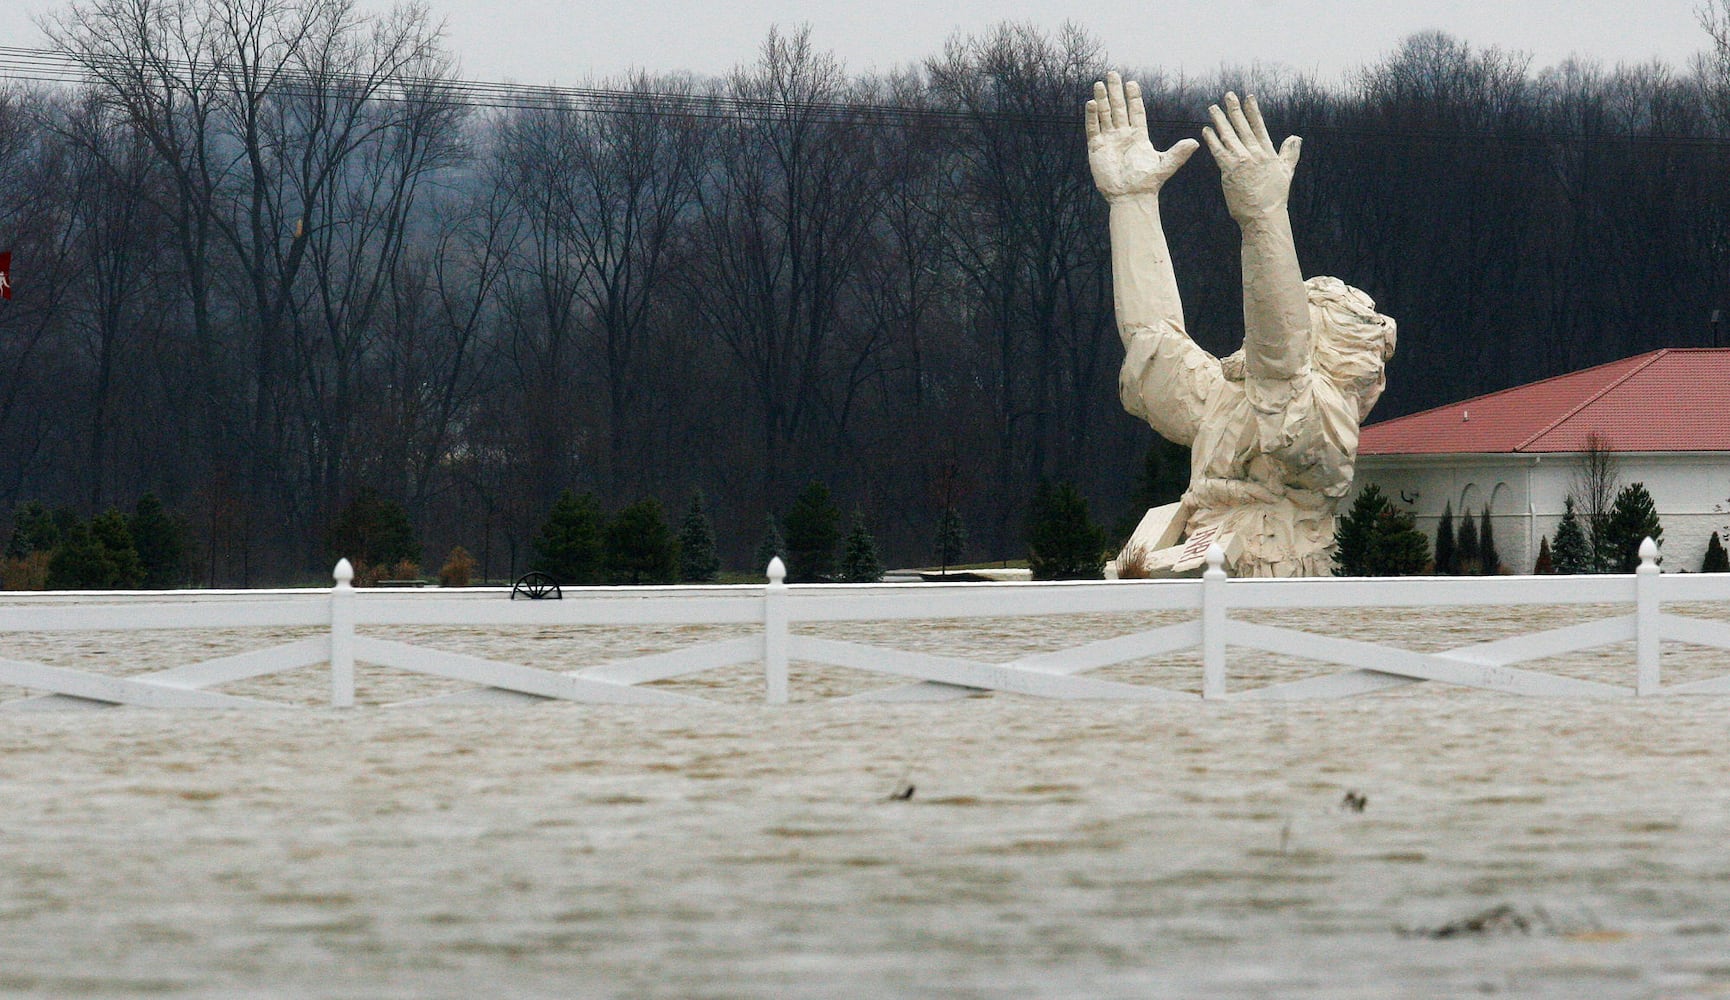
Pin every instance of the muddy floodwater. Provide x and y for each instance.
(1489, 845)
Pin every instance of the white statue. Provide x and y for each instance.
(1273, 429)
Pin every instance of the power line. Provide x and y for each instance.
(50, 66)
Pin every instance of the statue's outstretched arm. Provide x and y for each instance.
(1257, 182)
(1130, 172)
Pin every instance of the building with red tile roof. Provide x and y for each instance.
(1663, 416)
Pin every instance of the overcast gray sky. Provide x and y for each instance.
(565, 42)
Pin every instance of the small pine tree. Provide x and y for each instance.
(160, 539)
(1573, 553)
(640, 548)
(1717, 560)
(1447, 558)
(773, 546)
(569, 547)
(951, 538)
(1546, 564)
(698, 560)
(1375, 538)
(1466, 554)
(373, 531)
(1352, 535)
(1633, 519)
(1489, 560)
(813, 527)
(1063, 543)
(859, 562)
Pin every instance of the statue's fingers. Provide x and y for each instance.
(1291, 150)
(1252, 111)
(1223, 131)
(1090, 119)
(1137, 110)
(1180, 152)
(1240, 124)
(1213, 143)
(1119, 108)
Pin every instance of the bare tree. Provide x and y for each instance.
(1596, 483)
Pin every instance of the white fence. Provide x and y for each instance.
(775, 608)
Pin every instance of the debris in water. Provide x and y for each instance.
(1354, 801)
(902, 792)
(1503, 919)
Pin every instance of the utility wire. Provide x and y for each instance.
(50, 66)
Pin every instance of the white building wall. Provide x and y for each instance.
(1526, 493)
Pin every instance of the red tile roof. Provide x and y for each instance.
(1670, 400)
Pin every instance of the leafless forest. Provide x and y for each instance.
(268, 252)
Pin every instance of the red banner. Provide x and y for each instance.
(5, 274)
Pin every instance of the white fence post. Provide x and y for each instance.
(775, 633)
(342, 637)
(1213, 624)
(1646, 625)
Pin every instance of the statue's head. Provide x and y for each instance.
(1350, 342)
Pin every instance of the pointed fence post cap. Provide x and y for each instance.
(777, 571)
(344, 573)
(1648, 552)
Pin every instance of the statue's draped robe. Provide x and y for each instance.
(1270, 459)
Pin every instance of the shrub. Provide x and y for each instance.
(813, 526)
(28, 572)
(1063, 543)
(1489, 560)
(640, 548)
(1467, 561)
(458, 569)
(95, 556)
(569, 546)
(34, 529)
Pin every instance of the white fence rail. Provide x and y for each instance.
(774, 610)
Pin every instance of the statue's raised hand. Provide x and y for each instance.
(1123, 159)
(1256, 176)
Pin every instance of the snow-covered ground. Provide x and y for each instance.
(1049, 849)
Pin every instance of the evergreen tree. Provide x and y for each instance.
(1489, 560)
(1163, 477)
(640, 548)
(1466, 554)
(1352, 536)
(34, 529)
(1573, 553)
(1633, 519)
(95, 556)
(859, 562)
(569, 547)
(951, 538)
(1447, 558)
(773, 546)
(813, 526)
(1717, 560)
(373, 531)
(1375, 538)
(1546, 564)
(160, 539)
(1063, 543)
(698, 560)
